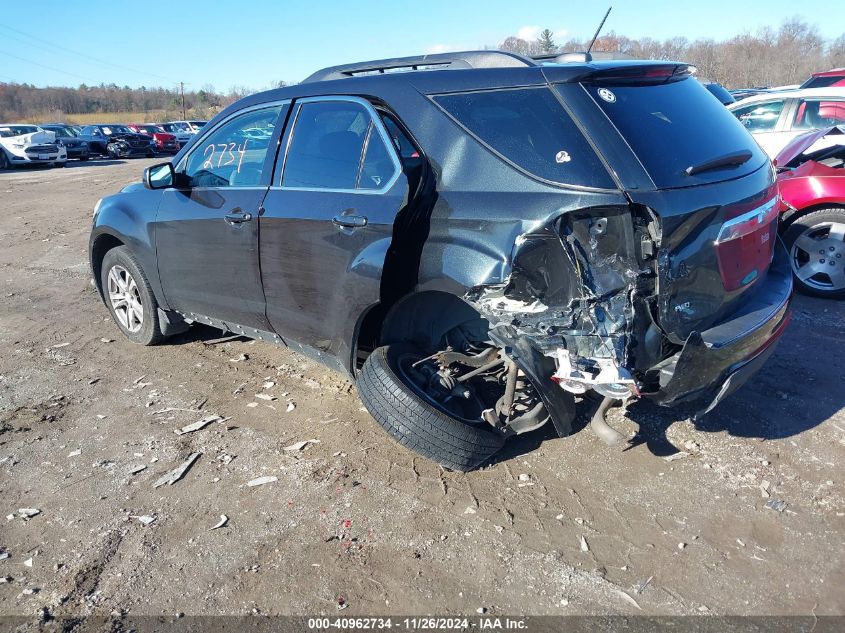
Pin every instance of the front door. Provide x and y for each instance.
(207, 226)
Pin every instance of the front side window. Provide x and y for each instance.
(760, 117)
(234, 154)
(818, 113)
(336, 145)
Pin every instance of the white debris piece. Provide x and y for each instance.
(266, 396)
(252, 405)
(291, 407)
(238, 359)
(222, 522)
(177, 473)
(75, 453)
(145, 519)
(628, 599)
(298, 446)
(28, 562)
(469, 510)
(524, 477)
(268, 479)
(268, 385)
(28, 513)
(196, 426)
(674, 456)
(584, 546)
(137, 469)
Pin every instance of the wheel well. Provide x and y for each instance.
(102, 245)
(422, 318)
(795, 215)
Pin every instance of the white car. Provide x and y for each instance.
(22, 144)
(775, 118)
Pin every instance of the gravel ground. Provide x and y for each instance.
(740, 513)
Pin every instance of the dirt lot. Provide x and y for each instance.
(355, 516)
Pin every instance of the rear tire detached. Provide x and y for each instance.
(415, 423)
(126, 267)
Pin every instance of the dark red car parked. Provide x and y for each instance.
(834, 77)
(811, 179)
(165, 142)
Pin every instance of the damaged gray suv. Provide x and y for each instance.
(477, 239)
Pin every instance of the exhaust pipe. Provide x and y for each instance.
(601, 428)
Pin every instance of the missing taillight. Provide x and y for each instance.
(745, 245)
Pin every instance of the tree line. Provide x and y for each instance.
(25, 102)
(770, 57)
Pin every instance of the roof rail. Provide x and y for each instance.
(437, 61)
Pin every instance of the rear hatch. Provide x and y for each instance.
(698, 171)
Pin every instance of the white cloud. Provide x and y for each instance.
(532, 33)
(441, 48)
(528, 33)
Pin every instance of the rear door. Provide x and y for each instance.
(207, 226)
(328, 222)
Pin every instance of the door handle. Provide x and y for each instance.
(349, 221)
(237, 217)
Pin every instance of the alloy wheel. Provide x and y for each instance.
(125, 299)
(818, 256)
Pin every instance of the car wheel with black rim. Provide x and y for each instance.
(5, 163)
(816, 243)
(455, 408)
(130, 299)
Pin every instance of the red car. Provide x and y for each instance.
(811, 180)
(165, 142)
(834, 77)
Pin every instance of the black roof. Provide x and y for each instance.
(442, 73)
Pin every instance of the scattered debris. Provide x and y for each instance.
(291, 407)
(59, 345)
(776, 504)
(524, 477)
(221, 523)
(75, 453)
(5, 579)
(481, 610)
(341, 603)
(30, 591)
(268, 385)
(298, 446)
(741, 543)
(628, 599)
(4, 555)
(645, 583)
(764, 489)
(469, 510)
(137, 469)
(692, 446)
(252, 405)
(28, 562)
(674, 456)
(196, 426)
(584, 546)
(267, 479)
(239, 358)
(139, 379)
(177, 473)
(266, 396)
(145, 519)
(28, 513)
(171, 409)
(106, 340)
(681, 545)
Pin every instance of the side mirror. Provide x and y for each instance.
(159, 176)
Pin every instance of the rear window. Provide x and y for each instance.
(529, 128)
(673, 126)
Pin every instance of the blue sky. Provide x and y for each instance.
(257, 42)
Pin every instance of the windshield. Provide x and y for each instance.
(180, 127)
(674, 126)
(60, 130)
(117, 129)
(16, 130)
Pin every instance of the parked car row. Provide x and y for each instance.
(56, 143)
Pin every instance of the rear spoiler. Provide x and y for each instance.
(647, 73)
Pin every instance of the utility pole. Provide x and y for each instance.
(182, 91)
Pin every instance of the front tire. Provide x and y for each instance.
(416, 423)
(816, 245)
(130, 299)
(5, 163)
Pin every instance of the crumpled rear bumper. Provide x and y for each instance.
(716, 362)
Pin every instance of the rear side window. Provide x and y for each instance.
(336, 145)
(818, 113)
(760, 117)
(530, 129)
(676, 125)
